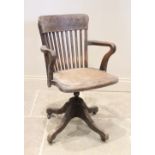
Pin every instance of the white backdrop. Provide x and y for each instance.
(109, 20)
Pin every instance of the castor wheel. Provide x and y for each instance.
(49, 116)
(95, 110)
(49, 113)
(104, 137)
(50, 139)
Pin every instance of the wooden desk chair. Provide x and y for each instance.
(65, 44)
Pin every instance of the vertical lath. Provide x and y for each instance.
(56, 62)
(60, 51)
(72, 48)
(68, 49)
(64, 50)
(56, 50)
(85, 49)
(76, 49)
(81, 50)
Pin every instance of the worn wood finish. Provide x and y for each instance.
(64, 50)
(76, 49)
(54, 23)
(85, 49)
(75, 107)
(81, 51)
(50, 58)
(106, 57)
(67, 36)
(65, 45)
(80, 79)
(68, 50)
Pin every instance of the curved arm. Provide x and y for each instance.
(44, 49)
(106, 57)
(50, 57)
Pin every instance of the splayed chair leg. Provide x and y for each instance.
(61, 110)
(67, 117)
(86, 117)
(75, 107)
(93, 109)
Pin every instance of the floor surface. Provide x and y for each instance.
(77, 139)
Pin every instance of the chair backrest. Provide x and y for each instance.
(67, 35)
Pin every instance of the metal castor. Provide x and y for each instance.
(104, 137)
(49, 113)
(95, 110)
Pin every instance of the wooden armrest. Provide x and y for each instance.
(51, 56)
(106, 57)
(44, 49)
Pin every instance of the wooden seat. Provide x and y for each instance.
(80, 79)
(65, 47)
